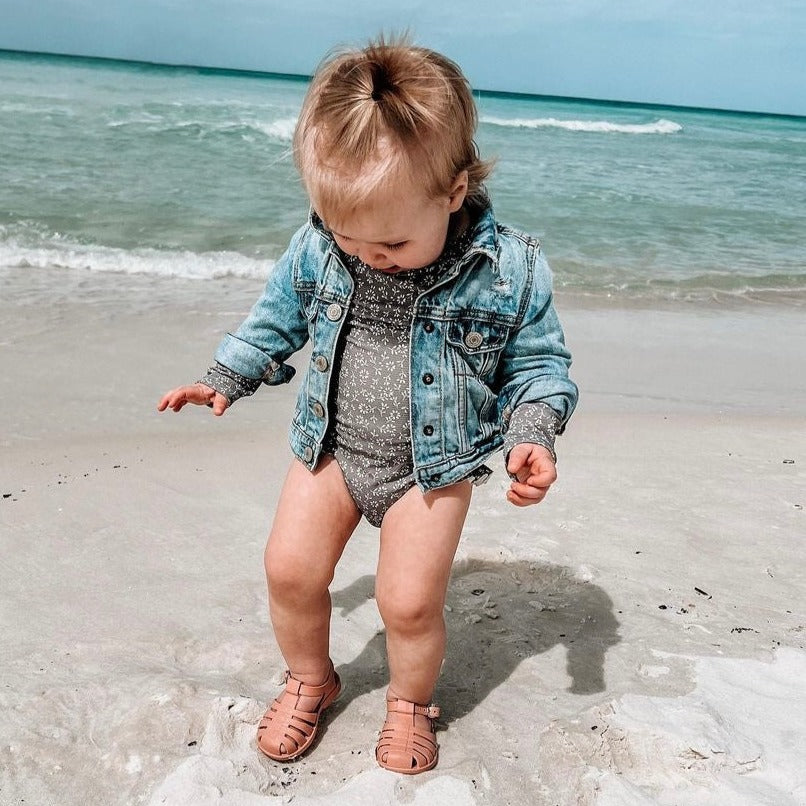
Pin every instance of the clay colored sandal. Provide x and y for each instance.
(285, 731)
(404, 744)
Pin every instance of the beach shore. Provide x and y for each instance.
(638, 638)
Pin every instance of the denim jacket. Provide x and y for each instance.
(484, 339)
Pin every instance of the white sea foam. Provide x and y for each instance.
(163, 262)
(141, 119)
(661, 126)
(281, 130)
(35, 109)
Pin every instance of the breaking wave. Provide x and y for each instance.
(661, 126)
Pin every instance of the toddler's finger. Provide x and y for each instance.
(517, 500)
(168, 402)
(527, 491)
(542, 476)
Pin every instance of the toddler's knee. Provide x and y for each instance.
(294, 577)
(405, 613)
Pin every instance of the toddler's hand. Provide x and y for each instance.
(199, 394)
(534, 471)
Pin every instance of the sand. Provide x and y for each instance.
(638, 638)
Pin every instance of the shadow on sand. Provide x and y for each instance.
(499, 613)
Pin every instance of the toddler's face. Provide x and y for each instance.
(401, 231)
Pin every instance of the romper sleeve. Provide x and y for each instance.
(536, 423)
(228, 383)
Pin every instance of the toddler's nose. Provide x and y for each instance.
(374, 257)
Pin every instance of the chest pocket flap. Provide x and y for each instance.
(479, 342)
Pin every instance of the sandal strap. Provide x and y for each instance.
(406, 707)
(298, 688)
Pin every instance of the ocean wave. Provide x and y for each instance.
(281, 130)
(34, 109)
(142, 119)
(661, 126)
(29, 244)
(58, 253)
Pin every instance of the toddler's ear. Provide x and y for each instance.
(458, 191)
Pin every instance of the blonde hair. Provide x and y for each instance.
(386, 113)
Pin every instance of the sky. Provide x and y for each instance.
(724, 54)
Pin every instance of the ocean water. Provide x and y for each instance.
(147, 171)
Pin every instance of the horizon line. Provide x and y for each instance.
(251, 73)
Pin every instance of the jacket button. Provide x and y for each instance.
(428, 430)
(333, 312)
(436, 477)
(474, 340)
(318, 409)
(428, 327)
(320, 362)
(428, 379)
(308, 453)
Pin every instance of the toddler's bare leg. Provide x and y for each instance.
(419, 536)
(314, 520)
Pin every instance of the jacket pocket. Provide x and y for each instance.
(478, 343)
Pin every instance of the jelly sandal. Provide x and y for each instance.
(286, 731)
(405, 745)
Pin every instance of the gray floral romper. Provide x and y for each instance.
(370, 428)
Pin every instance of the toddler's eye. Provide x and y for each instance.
(393, 246)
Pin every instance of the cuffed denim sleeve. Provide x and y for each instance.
(275, 328)
(534, 364)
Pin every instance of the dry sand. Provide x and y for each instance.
(636, 639)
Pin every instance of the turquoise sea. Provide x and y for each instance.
(111, 167)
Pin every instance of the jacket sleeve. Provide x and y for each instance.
(275, 328)
(534, 364)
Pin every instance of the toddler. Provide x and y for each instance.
(435, 343)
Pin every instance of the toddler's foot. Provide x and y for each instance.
(407, 742)
(289, 725)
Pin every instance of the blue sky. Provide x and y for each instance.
(729, 54)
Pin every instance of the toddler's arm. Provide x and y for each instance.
(275, 328)
(532, 470)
